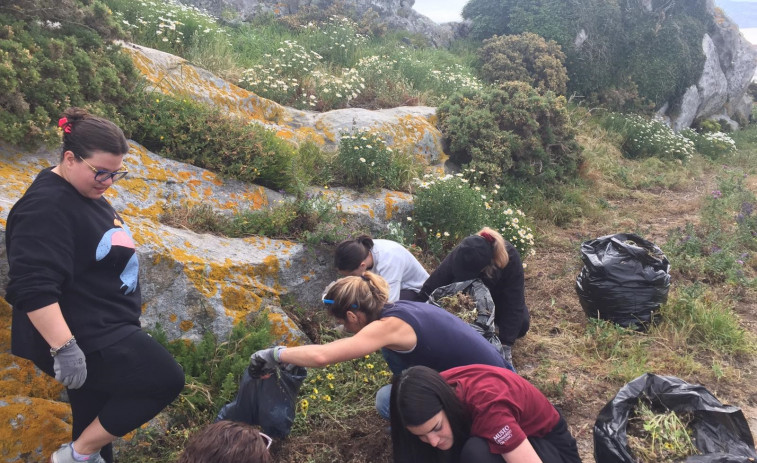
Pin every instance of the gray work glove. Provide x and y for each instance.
(70, 366)
(266, 360)
(507, 353)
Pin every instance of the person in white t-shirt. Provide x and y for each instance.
(387, 258)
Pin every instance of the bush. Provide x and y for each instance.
(710, 144)
(447, 209)
(643, 138)
(511, 130)
(527, 58)
(364, 161)
(55, 60)
(191, 132)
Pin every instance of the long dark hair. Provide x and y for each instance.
(84, 133)
(350, 253)
(418, 394)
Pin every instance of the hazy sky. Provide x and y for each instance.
(449, 10)
(441, 11)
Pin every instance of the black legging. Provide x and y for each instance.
(128, 383)
(558, 446)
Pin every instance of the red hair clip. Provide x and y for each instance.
(64, 124)
(489, 238)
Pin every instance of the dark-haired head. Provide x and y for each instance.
(350, 254)
(227, 442)
(418, 394)
(84, 133)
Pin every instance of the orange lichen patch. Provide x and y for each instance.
(391, 206)
(282, 329)
(184, 175)
(144, 307)
(154, 211)
(31, 428)
(194, 182)
(328, 134)
(310, 134)
(20, 377)
(172, 318)
(16, 176)
(238, 303)
(186, 325)
(369, 209)
(5, 325)
(3, 222)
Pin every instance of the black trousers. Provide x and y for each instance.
(558, 446)
(128, 383)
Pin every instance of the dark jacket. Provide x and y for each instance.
(507, 287)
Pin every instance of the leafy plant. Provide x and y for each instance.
(56, 59)
(339, 391)
(527, 58)
(644, 138)
(511, 131)
(662, 436)
(711, 144)
(204, 136)
(447, 209)
(365, 161)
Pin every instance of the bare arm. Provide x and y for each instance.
(51, 325)
(386, 332)
(524, 453)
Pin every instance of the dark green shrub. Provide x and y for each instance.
(511, 130)
(191, 132)
(488, 17)
(213, 367)
(527, 58)
(52, 58)
(608, 41)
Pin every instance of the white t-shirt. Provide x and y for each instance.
(398, 267)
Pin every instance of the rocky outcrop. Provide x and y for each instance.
(721, 92)
(397, 14)
(410, 128)
(191, 283)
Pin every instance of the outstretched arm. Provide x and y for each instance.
(386, 332)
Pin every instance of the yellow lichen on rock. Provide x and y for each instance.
(31, 428)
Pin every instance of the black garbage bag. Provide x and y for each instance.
(269, 400)
(484, 321)
(720, 432)
(624, 279)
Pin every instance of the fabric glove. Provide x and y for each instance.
(507, 353)
(265, 360)
(70, 366)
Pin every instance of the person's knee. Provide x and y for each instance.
(382, 401)
(174, 382)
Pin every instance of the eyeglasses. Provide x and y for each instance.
(267, 439)
(103, 175)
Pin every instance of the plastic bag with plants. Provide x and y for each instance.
(472, 302)
(665, 419)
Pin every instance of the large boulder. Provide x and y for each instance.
(410, 128)
(396, 14)
(721, 92)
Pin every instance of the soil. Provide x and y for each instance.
(548, 354)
